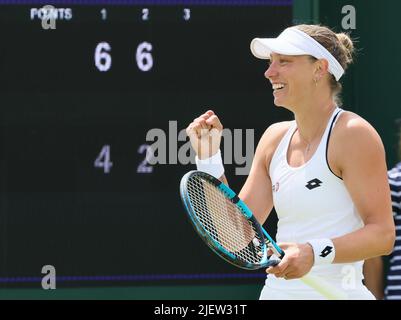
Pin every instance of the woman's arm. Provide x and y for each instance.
(374, 277)
(356, 154)
(257, 190)
(359, 156)
(205, 135)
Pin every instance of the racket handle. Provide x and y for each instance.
(326, 289)
(317, 283)
(272, 245)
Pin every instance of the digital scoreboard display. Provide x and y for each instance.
(95, 97)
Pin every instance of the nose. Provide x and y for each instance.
(271, 71)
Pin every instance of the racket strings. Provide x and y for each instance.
(224, 221)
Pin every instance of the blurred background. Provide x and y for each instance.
(78, 189)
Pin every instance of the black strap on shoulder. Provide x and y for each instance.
(327, 143)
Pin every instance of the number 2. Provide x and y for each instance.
(145, 14)
(144, 166)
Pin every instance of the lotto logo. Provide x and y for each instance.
(315, 183)
(326, 251)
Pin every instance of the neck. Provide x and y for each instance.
(312, 117)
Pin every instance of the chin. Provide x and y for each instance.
(279, 103)
(282, 104)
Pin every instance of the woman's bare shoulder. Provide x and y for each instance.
(271, 138)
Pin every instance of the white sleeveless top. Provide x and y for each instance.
(312, 203)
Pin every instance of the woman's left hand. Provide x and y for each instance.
(297, 262)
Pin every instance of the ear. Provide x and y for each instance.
(322, 67)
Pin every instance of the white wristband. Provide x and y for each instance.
(323, 251)
(213, 165)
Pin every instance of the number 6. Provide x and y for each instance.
(144, 58)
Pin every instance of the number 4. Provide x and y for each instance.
(103, 159)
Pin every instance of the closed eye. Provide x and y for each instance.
(283, 62)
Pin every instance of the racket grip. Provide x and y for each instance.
(326, 289)
(272, 245)
(317, 283)
(279, 254)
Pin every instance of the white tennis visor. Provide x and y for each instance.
(294, 42)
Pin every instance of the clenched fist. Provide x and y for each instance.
(205, 134)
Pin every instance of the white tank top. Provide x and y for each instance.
(312, 203)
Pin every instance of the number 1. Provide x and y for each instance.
(104, 14)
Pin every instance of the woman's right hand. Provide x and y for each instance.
(205, 134)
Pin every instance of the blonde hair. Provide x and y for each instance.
(339, 45)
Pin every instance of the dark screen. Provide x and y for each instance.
(76, 104)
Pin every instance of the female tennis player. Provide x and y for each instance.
(324, 172)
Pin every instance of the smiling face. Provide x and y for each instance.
(292, 78)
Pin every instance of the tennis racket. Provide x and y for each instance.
(229, 228)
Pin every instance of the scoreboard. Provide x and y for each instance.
(95, 97)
